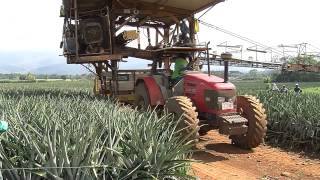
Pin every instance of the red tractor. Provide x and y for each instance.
(205, 102)
(103, 32)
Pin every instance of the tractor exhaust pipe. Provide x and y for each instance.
(226, 71)
(226, 57)
(208, 58)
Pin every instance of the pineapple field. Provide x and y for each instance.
(293, 120)
(59, 130)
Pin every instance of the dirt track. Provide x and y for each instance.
(220, 160)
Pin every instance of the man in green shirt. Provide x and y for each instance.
(180, 66)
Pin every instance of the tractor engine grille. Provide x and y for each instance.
(220, 100)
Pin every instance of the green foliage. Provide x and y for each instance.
(64, 77)
(253, 72)
(15, 76)
(296, 77)
(307, 60)
(30, 77)
(22, 77)
(293, 121)
(65, 127)
(27, 77)
(314, 90)
(267, 79)
(253, 75)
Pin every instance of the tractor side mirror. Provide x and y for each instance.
(61, 45)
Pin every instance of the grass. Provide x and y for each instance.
(314, 90)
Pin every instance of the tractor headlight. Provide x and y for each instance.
(221, 99)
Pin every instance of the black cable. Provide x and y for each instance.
(89, 69)
(315, 47)
(209, 9)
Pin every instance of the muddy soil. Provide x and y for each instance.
(221, 160)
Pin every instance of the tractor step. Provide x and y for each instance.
(233, 125)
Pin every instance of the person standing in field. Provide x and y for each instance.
(297, 89)
(284, 89)
(275, 87)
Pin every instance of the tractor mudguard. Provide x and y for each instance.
(154, 91)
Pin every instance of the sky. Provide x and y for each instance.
(270, 22)
(30, 25)
(31, 29)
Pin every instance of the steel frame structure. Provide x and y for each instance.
(161, 16)
(164, 19)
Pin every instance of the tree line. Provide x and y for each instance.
(33, 77)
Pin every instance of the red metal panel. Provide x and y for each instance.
(154, 90)
(195, 86)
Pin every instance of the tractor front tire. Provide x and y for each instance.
(142, 99)
(250, 108)
(182, 109)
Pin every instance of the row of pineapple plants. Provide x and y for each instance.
(293, 120)
(57, 134)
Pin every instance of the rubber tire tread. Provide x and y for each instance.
(141, 94)
(183, 108)
(254, 111)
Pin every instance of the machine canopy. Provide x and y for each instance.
(188, 6)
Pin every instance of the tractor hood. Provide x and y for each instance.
(214, 82)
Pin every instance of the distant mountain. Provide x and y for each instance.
(52, 63)
(7, 69)
(60, 69)
(22, 62)
(73, 69)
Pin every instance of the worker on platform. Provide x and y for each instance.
(297, 89)
(181, 64)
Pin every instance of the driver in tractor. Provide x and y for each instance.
(181, 64)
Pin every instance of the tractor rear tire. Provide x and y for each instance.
(182, 109)
(251, 109)
(142, 96)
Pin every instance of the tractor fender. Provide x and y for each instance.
(153, 89)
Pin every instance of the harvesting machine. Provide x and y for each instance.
(104, 32)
